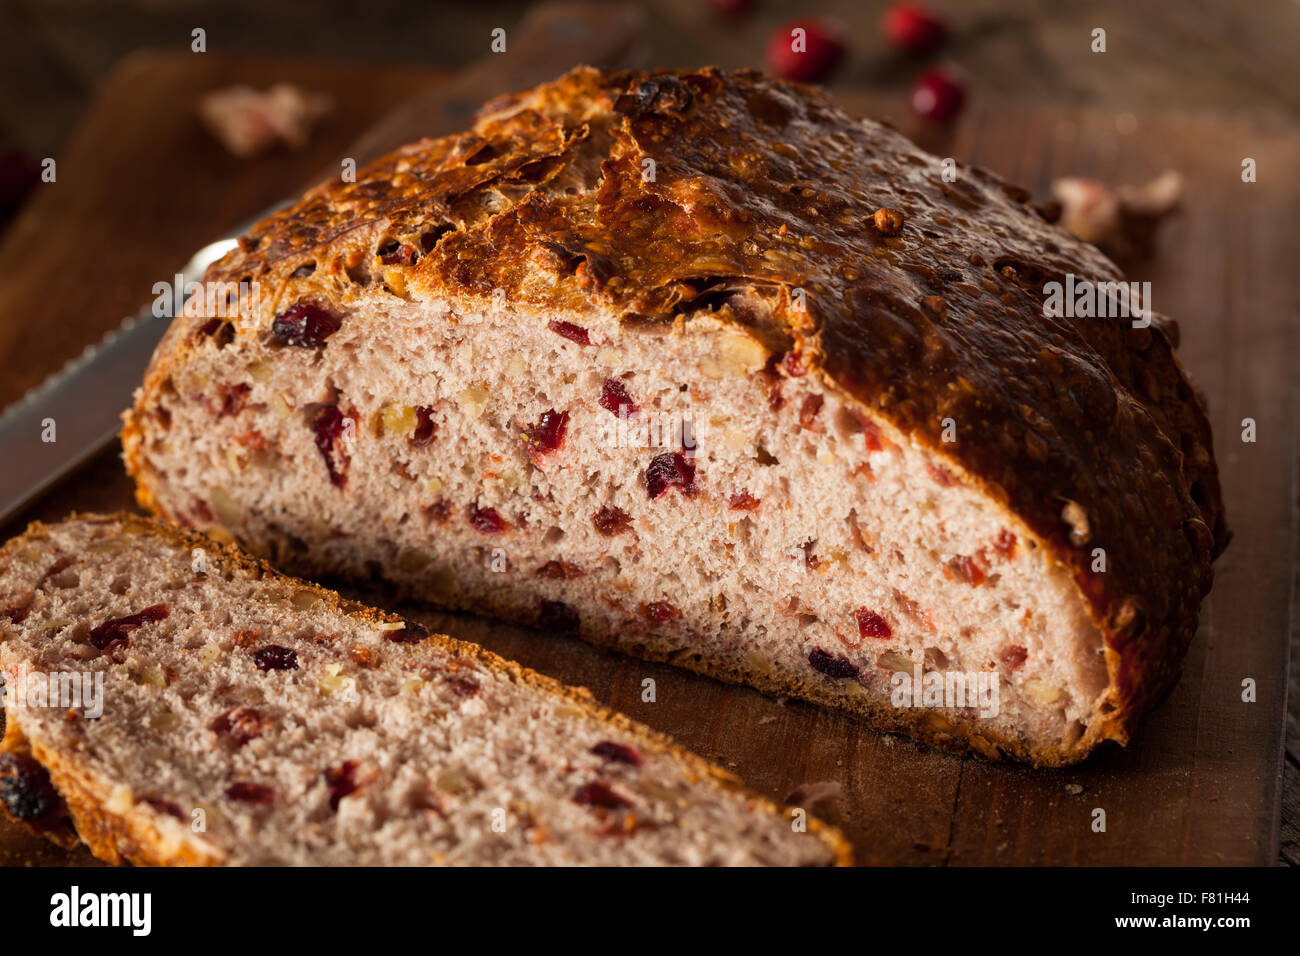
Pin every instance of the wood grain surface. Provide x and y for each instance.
(140, 186)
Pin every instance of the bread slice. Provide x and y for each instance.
(704, 368)
(248, 718)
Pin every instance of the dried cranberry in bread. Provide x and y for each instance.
(466, 368)
(249, 718)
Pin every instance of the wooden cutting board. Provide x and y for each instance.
(140, 186)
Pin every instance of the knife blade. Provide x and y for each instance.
(53, 429)
(49, 431)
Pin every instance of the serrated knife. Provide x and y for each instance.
(53, 429)
(76, 412)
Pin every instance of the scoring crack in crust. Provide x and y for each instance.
(762, 188)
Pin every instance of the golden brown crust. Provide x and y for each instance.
(114, 837)
(132, 836)
(652, 196)
(24, 779)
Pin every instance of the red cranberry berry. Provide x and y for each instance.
(411, 634)
(574, 333)
(486, 520)
(1005, 544)
(439, 511)
(616, 752)
(670, 470)
(17, 613)
(232, 399)
(973, 569)
(912, 27)
(611, 521)
(871, 435)
(559, 571)
(114, 633)
(832, 666)
(462, 686)
(808, 411)
(425, 427)
(938, 95)
(940, 475)
(804, 50)
(240, 725)
(165, 806)
(614, 396)
(547, 435)
(274, 657)
(342, 781)
(871, 624)
(793, 364)
(1013, 656)
(660, 611)
(250, 792)
(25, 788)
(304, 325)
(330, 426)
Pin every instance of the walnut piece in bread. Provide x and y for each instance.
(712, 372)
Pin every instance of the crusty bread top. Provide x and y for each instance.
(1086, 428)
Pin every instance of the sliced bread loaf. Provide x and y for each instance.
(699, 365)
(175, 702)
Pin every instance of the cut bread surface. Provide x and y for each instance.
(810, 549)
(636, 357)
(249, 718)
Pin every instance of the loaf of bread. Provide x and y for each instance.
(702, 368)
(171, 701)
